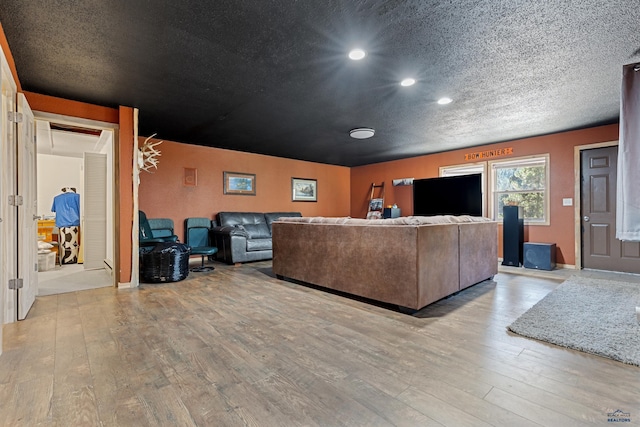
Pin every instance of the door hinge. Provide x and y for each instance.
(15, 283)
(15, 200)
(15, 117)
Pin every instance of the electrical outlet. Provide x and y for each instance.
(567, 201)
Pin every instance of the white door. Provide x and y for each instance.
(27, 212)
(8, 188)
(94, 233)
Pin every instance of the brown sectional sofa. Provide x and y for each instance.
(407, 261)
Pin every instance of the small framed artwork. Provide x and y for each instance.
(304, 190)
(190, 177)
(239, 183)
(375, 209)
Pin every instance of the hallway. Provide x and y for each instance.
(71, 278)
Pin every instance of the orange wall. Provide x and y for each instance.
(163, 195)
(560, 147)
(66, 107)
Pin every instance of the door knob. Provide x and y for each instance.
(586, 218)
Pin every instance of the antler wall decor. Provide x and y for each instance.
(148, 155)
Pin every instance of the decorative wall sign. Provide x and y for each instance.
(239, 183)
(190, 177)
(304, 190)
(489, 154)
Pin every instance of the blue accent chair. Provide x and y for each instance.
(146, 236)
(162, 227)
(197, 237)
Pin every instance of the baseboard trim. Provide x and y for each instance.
(568, 266)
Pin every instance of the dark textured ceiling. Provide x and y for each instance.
(273, 77)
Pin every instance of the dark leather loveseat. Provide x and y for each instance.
(245, 236)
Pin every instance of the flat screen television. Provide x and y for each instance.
(451, 195)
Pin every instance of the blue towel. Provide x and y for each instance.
(67, 209)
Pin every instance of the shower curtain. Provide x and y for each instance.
(628, 191)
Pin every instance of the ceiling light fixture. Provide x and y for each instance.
(357, 54)
(408, 82)
(444, 101)
(362, 133)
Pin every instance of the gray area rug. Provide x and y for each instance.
(592, 315)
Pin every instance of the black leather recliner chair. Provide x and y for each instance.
(245, 236)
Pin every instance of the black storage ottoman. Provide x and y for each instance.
(164, 262)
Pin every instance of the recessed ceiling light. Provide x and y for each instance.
(445, 100)
(357, 54)
(408, 82)
(362, 133)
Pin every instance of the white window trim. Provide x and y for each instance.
(467, 169)
(522, 161)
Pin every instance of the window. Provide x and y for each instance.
(468, 169)
(463, 169)
(521, 182)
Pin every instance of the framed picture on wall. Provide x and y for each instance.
(304, 190)
(239, 183)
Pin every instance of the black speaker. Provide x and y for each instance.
(541, 256)
(512, 235)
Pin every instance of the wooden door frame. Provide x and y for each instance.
(577, 206)
(98, 125)
(8, 188)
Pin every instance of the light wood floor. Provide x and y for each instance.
(71, 278)
(237, 347)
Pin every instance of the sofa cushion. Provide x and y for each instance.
(240, 218)
(258, 244)
(256, 231)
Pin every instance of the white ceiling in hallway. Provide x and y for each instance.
(66, 143)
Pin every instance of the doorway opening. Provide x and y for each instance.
(75, 155)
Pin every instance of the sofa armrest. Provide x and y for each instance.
(229, 231)
(230, 241)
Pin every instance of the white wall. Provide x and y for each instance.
(54, 173)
